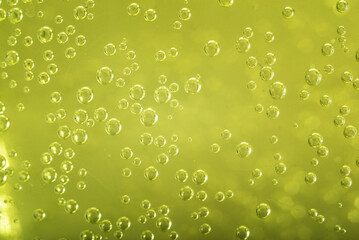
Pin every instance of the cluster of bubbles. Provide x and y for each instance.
(148, 116)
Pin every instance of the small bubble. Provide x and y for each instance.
(87, 235)
(80, 40)
(256, 173)
(84, 95)
(342, 6)
(150, 15)
(4, 123)
(71, 206)
(15, 15)
(243, 149)
(164, 223)
(181, 175)
(341, 30)
(242, 45)
(259, 108)
(277, 90)
(133, 9)
(12, 41)
(251, 62)
(151, 173)
(80, 13)
(45, 34)
(12, 58)
(327, 49)
(288, 12)
(226, 134)
(162, 94)
(2, 14)
(242, 232)
(325, 101)
(344, 110)
(225, 3)
(269, 59)
(79, 136)
(148, 117)
(211, 48)
(62, 38)
(328, 69)
(70, 52)
(272, 112)
(315, 140)
(310, 178)
(215, 148)
(126, 153)
(59, 19)
(49, 175)
(39, 215)
(322, 151)
(184, 14)
(280, 168)
(105, 75)
(173, 235)
(345, 170)
(346, 77)
(200, 177)
(205, 229)
(269, 37)
(263, 210)
(105, 225)
(177, 25)
(93, 215)
(113, 127)
(350, 131)
(248, 32)
(28, 41)
(304, 95)
(319, 219)
(110, 49)
(339, 121)
(160, 56)
(173, 52)
(346, 182)
(266, 73)
(356, 84)
(130, 55)
(313, 77)
(186, 193)
(70, 30)
(192, 86)
(147, 235)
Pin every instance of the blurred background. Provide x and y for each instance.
(186, 83)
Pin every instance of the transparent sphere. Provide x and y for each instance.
(313, 77)
(192, 86)
(310, 178)
(79, 136)
(84, 95)
(200, 177)
(151, 173)
(92, 215)
(113, 127)
(242, 45)
(225, 3)
(242, 232)
(244, 149)
(211, 48)
(263, 210)
(148, 117)
(105, 75)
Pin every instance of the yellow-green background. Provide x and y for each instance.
(224, 102)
